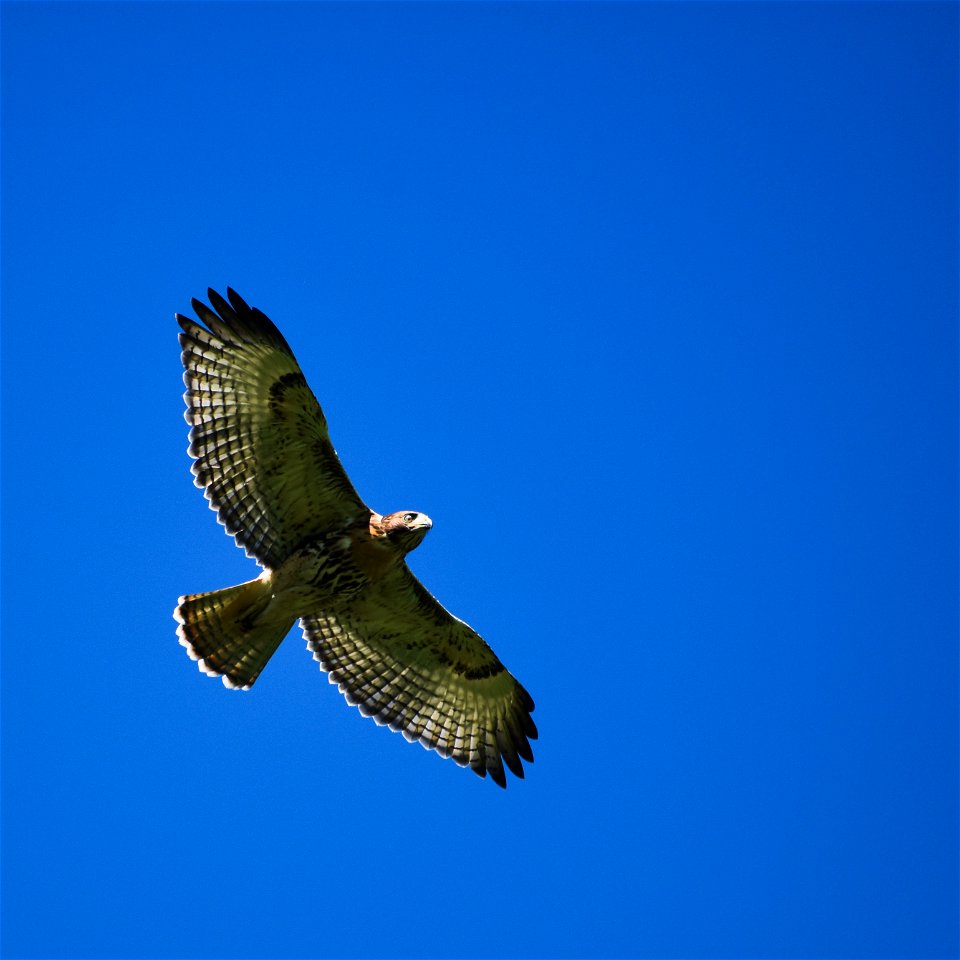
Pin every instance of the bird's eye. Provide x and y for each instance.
(409, 517)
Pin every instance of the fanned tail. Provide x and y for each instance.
(226, 631)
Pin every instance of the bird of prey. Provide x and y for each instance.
(265, 461)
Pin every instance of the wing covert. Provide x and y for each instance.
(404, 660)
(258, 436)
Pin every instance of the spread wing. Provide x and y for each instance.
(399, 656)
(258, 435)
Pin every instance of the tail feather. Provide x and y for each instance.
(226, 631)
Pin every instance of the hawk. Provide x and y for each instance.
(264, 458)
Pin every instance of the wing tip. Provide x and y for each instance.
(232, 320)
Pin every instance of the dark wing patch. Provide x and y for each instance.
(399, 656)
(258, 435)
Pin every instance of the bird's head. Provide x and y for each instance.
(406, 528)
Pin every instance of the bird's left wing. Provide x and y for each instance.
(400, 657)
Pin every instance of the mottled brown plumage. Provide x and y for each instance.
(264, 458)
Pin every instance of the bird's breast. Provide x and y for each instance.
(320, 572)
(373, 556)
(329, 569)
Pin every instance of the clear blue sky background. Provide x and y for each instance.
(653, 308)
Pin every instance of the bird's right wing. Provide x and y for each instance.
(258, 435)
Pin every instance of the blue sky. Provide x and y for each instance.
(653, 309)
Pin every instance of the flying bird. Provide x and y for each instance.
(263, 456)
